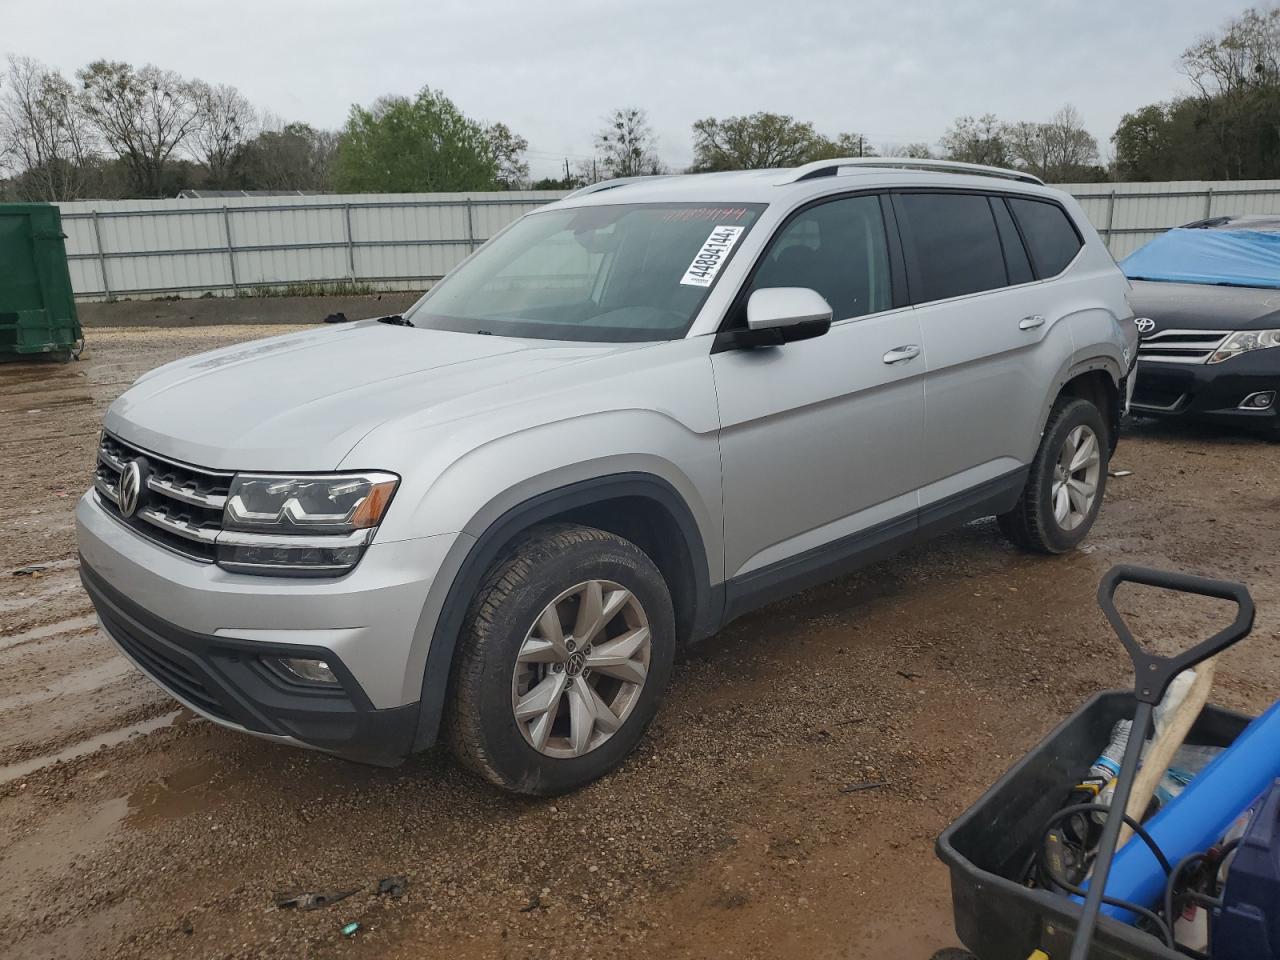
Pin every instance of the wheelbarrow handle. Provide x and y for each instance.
(1154, 673)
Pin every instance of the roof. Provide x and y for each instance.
(768, 186)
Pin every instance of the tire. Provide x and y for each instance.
(509, 616)
(1035, 522)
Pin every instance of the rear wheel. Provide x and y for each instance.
(566, 654)
(1066, 482)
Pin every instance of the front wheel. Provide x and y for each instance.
(565, 656)
(1065, 483)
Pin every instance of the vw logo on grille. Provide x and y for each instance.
(1145, 325)
(130, 491)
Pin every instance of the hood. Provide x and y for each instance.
(1197, 306)
(300, 402)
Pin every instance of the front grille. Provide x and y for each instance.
(1181, 346)
(161, 666)
(180, 507)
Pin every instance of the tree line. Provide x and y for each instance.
(120, 131)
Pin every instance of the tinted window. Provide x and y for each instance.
(951, 243)
(1052, 239)
(837, 248)
(1015, 254)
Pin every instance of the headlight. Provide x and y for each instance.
(301, 525)
(1242, 341)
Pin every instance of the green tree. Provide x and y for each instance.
(1228, 127)
(421, 145)
(296, 156)
(1142, 144)
(760, 141)
(508, 153)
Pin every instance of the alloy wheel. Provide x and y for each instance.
(1075, 477)
(580, 669)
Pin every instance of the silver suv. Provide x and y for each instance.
(630, 417)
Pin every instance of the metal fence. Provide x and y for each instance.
(248, 245)
(1127, 215)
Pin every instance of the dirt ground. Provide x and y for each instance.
(129, 828)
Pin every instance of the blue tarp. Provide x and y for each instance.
(1242, 258)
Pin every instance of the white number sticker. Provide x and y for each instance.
(708, 261)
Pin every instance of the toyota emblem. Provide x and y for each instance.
(1145, 325)
(130, 488)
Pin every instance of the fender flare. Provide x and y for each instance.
(488, 547)
(1070, 370)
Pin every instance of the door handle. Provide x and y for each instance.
(902, 354)
(1031, 322)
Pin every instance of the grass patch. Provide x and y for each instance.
(337, 288)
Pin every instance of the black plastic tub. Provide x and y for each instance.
(986, 849)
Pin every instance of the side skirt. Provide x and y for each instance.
(840, 557)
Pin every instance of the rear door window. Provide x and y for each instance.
(951, 244)
(1051, 238)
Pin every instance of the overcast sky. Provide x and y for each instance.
(895, 70)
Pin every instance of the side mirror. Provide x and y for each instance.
(785, 308)
(778, 315)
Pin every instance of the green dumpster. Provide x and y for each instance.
(37, 306)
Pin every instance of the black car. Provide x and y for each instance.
(1207, 299)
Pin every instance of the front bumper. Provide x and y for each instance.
(1209, 391)
(202, 633)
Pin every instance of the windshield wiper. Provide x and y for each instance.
(395, 320)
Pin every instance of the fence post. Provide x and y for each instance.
(1111, 215)
(471, 226)
(1208, 203)
(102, 257)
(351, 247)
(231, 250)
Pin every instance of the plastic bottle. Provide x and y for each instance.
(1107, 766)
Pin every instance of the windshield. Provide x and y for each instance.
(1234, 258)
(618, 273)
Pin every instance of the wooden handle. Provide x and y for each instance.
(1156, 762)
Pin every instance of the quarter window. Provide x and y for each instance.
(1051, 238)
(951, 244)
(1015, 254)
(837, 248)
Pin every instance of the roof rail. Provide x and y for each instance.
(831, 168)
(612, 184)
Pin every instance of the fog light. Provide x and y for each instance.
(1258, 401)
(308, 671)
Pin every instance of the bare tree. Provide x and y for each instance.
(627, 144)
(911, 151)
(977, 140)
(143, 115)
(225, 122)
(1058, 151)
(1246, 54)
(47, 138)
